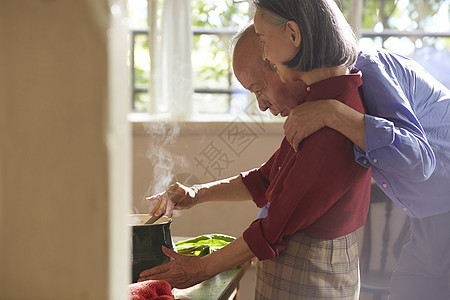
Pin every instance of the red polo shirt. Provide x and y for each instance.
(320, 190)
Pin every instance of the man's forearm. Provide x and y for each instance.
(348, 122)
(234, 254)
(230, 189)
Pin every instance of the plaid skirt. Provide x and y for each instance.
(311, 268)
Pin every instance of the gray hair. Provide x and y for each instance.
(327, 40)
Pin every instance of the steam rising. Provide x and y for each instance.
(162, 135)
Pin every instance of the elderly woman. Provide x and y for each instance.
(306, 245)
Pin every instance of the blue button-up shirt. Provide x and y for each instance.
(407, 132)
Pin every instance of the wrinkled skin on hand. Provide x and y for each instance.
(304, 120)
(177, 196)
(182, 272)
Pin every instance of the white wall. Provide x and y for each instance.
(63, 126)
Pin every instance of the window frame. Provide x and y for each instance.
(196, 31)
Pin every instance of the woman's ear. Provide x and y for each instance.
(294, 32)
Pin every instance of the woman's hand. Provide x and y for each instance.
(309, 117)
(177, 196)
(305, 119)
(182, 272)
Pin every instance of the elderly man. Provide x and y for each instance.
(404, 137)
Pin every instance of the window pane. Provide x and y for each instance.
(218, 21)
(137, 14)
(433, 53)
(219, 13)
(211, 62)
(141, 102)
(211, 103)
(216, 103)
(406, 15)
(141, 61)
(414, 28)
(211, 59)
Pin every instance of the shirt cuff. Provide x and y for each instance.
(254, 183)
(379, 133)
(254, 238)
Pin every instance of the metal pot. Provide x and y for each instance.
(147, 241)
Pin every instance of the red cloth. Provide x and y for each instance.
(319, 190)
(150, 290)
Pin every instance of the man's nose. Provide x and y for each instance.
(263, 105)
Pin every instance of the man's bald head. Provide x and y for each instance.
(258, 77)
(247, 52)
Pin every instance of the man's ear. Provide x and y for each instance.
(294, 33)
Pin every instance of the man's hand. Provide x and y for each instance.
(182, 272)
(177, 196)
(185, 271)
(305, 119)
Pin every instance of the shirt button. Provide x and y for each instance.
(384, 185)
(279, 168)
(308, 89)
(405, 209)
(375, 160)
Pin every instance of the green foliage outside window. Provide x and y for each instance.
(211, 58)
(141, 72)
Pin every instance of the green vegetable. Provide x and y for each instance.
(204, 244)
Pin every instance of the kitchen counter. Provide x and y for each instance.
(222, 286)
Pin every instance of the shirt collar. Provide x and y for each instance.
(331, 87)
